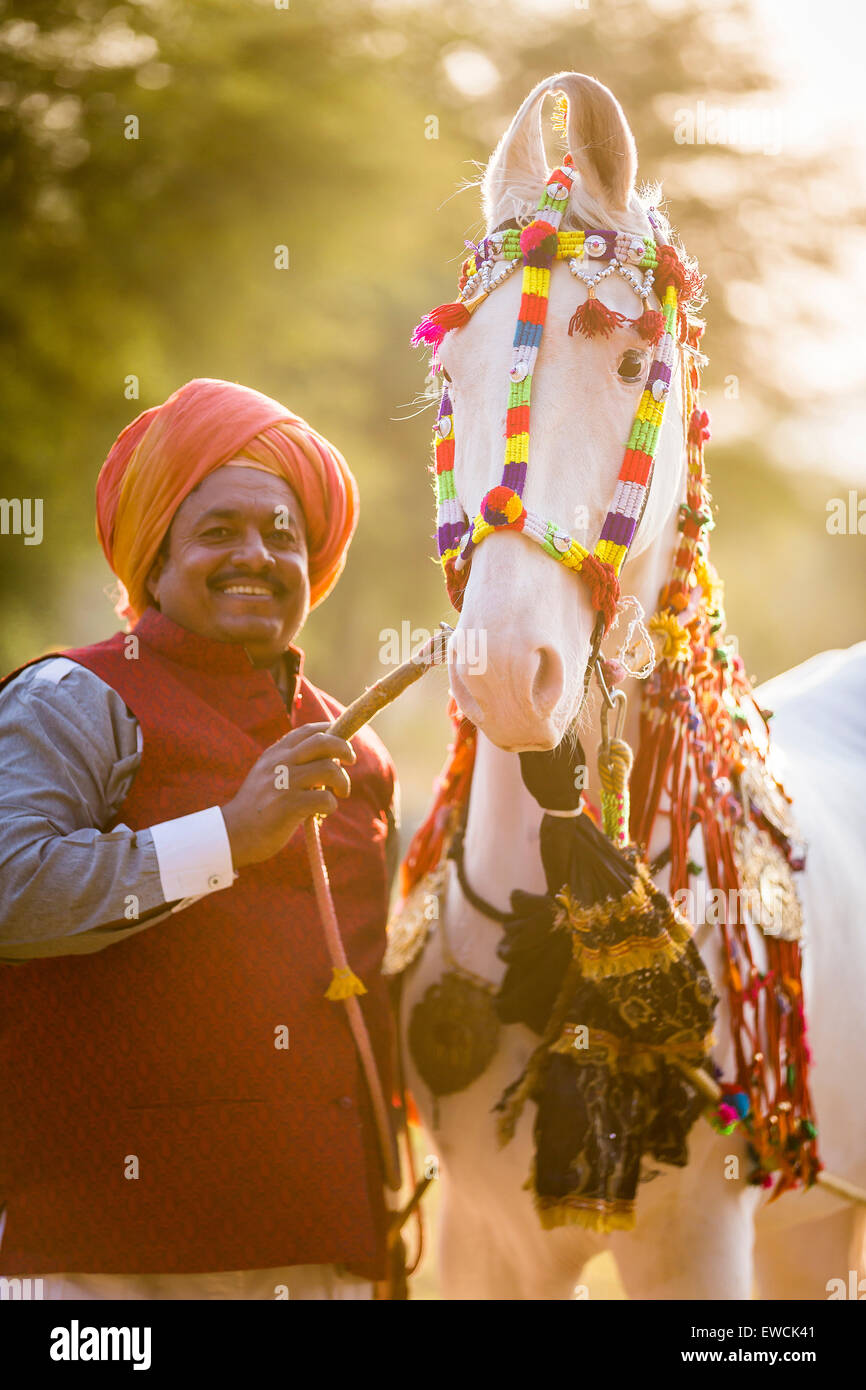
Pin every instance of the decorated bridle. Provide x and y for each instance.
(536, 247)
(703, 744)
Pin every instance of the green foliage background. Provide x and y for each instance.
(307, 126)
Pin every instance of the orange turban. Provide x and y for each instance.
(166, 451)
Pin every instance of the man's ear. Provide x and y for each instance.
(152, 581)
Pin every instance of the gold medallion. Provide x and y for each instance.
(410, 923)
(767, 879)
(453, 1033)
(764, 792)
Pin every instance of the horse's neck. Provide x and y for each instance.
(501, 844)
(500, 853)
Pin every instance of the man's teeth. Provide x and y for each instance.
(247, 589)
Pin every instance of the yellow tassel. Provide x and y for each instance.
(344, 984)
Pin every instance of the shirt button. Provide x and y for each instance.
(346, 1102)
(213, 881)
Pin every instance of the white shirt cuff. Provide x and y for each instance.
(193, 854)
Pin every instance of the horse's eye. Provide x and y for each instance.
(631, 365)
(445, 374)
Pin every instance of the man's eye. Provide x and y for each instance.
(631, 366)
(217, 531)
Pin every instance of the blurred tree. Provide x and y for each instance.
(154, 155)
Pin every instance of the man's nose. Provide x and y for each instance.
(252, 552)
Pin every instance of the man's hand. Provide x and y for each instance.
(288, 783)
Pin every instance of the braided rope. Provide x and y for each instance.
(614, 766)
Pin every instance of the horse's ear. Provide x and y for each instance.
(598, 136)
(600, 139)
(517, 170)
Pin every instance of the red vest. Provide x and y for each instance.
(162, 1047)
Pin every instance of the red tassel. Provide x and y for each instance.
(671, 271)
(699, 427)
(696, 332)
(594, 317)
(438, 322)
(603, 587)
(535, 235)
(650, 325)
(455, 582)
(450, 792)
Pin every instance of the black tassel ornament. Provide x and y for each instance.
(603, 968)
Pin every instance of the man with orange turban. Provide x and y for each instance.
(184, 1113)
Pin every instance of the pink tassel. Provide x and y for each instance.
(594, 317)
(438, 322)
(650, 325)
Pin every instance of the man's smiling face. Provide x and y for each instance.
(234, 566)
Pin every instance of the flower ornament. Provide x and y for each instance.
(671, 641)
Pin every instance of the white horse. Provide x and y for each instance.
(698, 1234)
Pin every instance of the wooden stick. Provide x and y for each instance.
(353, 718)
(360, 1033)
(362, 710)
(399, 1219)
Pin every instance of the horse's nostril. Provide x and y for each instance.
(547, 682)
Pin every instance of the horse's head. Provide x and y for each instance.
(538, 617)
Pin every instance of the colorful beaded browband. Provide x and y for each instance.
(536, 247)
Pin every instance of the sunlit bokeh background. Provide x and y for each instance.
(352, 132)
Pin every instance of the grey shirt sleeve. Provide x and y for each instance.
(69, 750)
